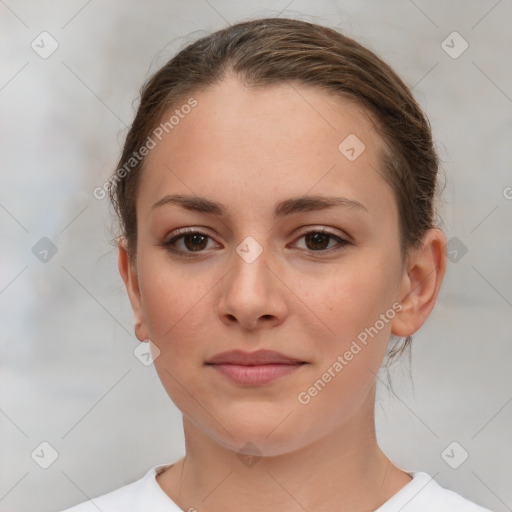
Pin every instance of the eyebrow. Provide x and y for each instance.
(283, 208)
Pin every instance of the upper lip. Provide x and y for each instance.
(252, 358)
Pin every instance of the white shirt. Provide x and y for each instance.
(421, 494)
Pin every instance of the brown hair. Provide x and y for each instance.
(276, 50)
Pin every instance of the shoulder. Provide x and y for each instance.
(143, 494)
(119, 500)
(424, 494)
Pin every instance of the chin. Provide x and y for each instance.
(260, 437)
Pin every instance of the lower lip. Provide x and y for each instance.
(258, 374)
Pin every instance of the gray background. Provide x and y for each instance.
(68, 373)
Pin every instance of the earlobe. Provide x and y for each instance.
(130, 278)
(421, 283)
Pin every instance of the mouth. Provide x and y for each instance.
(254, 368)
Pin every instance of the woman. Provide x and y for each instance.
(276, 204)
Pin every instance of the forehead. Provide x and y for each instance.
(243, 145)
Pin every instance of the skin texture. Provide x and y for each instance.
(249, 149)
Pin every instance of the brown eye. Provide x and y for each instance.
(317, 241)
(187, 242)
(320, 240)
(194, 242)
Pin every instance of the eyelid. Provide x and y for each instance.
(184, 231)
(326, 230)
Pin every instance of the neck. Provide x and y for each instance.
(345, 470)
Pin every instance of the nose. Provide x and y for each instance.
(253, 295)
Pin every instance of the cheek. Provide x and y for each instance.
(175, 308)
(175, 305)
(358, 309)
(354, 297)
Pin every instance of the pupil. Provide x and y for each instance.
(197, 239)
(317, 239)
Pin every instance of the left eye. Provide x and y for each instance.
(318, 240)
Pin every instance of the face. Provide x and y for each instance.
(269, 272)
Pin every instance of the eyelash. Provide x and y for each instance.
(180, 233)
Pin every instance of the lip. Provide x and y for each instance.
(239, 357)
(254, 368)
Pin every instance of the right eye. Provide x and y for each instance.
(191, 242)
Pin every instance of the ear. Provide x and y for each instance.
(421, 283)
(131, 281)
